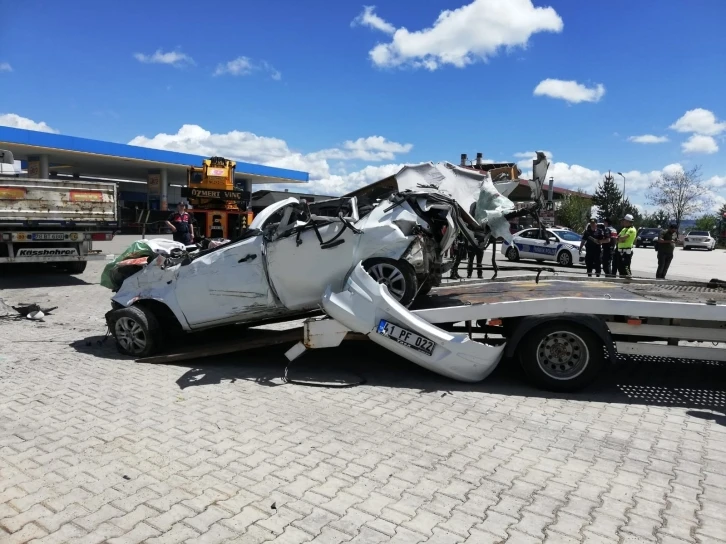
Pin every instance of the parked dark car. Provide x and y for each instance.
(646, 237)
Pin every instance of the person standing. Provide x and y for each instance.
(478, 252)
(624, 250)
(608, 248)
(181, 226)
(592, 239)
(665, 244)
(460, 253)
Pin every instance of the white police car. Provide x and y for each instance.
(559, 245)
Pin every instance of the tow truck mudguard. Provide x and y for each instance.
(594, 323)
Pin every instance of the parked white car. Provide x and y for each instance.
(282, 266)
(560, 245)
(699, 239)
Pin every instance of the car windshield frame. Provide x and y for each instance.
(569, 236)
(699, 233)
(649, 231)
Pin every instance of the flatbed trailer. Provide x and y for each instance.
(563, 331)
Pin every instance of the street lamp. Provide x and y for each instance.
(622, 176)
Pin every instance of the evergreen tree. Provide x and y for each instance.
(609, 199)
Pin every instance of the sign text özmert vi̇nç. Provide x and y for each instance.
(217, 194)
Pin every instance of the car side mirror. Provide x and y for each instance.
(553, 239)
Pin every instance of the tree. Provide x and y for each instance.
(608, 198)
(680, 194)
(708, 222)
(658, 219)
(573, 211)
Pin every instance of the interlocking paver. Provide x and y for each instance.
(96, 448)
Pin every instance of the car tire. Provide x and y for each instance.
(136, 331)
(583, 356)
(686, 248)
(399, 276)
(564, 258)
(512, 254)
(75, 267)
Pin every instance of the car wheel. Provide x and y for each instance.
(564, 258)
(562, 356)
(398, 276)
(136, 331)
(512, 254)
(686, 248)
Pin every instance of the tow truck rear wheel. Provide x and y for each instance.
(562, 356)
(398, 276)
(136, 331)
(75, 267)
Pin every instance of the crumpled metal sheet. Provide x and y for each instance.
(464, 185)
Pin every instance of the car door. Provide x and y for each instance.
(300, 266)
(227, 284)
(523, 243)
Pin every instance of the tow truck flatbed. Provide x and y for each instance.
(563, 330)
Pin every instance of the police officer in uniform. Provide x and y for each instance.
(624, 251)
(592, 239)
(181, 225)
(608, 247)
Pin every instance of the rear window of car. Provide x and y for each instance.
(698, 233)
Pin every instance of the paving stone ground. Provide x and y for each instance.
(96, 448)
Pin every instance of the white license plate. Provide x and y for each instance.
(405, 337)
(48, 236)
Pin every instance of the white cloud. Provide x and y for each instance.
(172, 58)
(716, 181)
(462, 36)
(16, 121)
(244, 66)
(5, 67)
(246, 146)
(700, 121)
(570, 91)
(648, 139)
(241, 66)
(698, 143)
(574, 176)
(370, 19)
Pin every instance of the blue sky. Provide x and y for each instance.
(295, 84)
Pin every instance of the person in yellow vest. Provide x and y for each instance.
(624, 251)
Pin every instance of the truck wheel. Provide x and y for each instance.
(398, 276)
(136, 331)
(561, 356)
(76, 267)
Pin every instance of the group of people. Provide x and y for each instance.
(611, 252)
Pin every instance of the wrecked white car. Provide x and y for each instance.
(293, 252)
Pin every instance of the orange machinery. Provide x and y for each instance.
(219, 208)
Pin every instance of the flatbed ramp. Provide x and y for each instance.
(493, 292)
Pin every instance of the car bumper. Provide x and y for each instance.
(702, 245)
